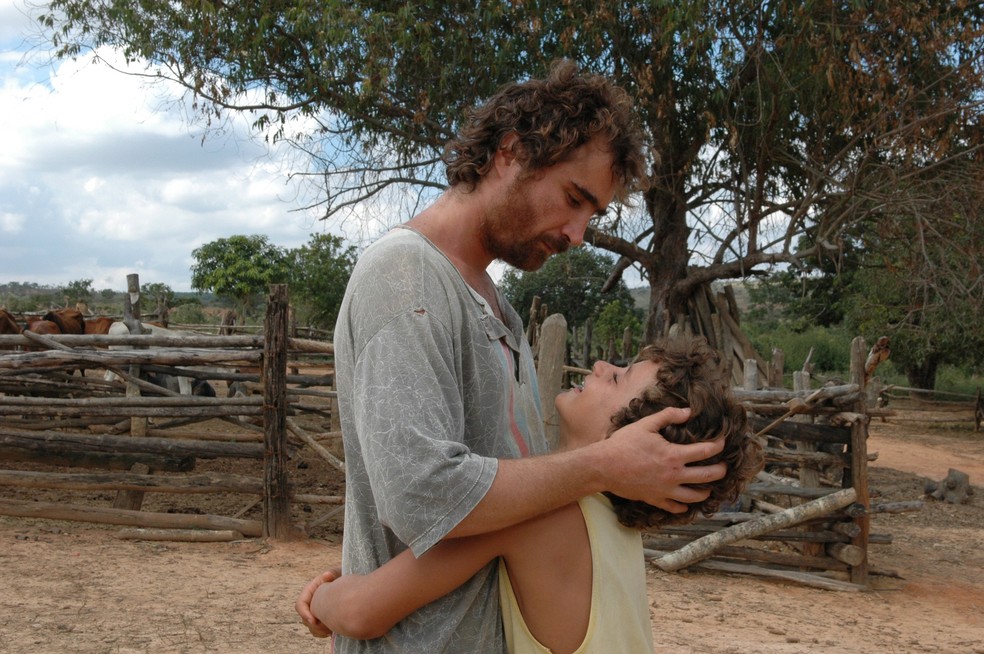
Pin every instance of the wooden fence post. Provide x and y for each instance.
(858, 477)
(587, 361)
(627, 344)
(550, 372)
(809, 476)
(776, 367)
(533, 326)
(751, 375)
(133, 499)
(276, 491)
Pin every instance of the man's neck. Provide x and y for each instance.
(452, 225)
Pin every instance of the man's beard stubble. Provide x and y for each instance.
(507, 232)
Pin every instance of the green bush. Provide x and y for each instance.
(831, 348)
(191, 313)
(958, 380)
(611, 324)
(832, 357)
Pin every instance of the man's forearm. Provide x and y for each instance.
(635, 462)
(526, 488)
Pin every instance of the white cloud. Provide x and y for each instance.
(101, 174)
(11, 223)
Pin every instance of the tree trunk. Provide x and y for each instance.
(667, 264)
(923, 375)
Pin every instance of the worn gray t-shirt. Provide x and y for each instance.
(432, 389)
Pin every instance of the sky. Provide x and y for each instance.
(102, 175)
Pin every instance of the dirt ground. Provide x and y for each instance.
(75, 587)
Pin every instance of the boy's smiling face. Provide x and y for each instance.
(586, 411)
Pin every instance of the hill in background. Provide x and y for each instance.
(640, 294)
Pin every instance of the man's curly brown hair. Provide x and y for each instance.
(691, 374)
(552, 117)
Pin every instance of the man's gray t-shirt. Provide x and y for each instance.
(432, 389)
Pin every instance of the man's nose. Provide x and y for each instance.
(575, 228)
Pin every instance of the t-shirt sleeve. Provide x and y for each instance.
(408, 404)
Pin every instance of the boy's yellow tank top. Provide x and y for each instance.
(619, 621)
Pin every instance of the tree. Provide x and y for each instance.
(812, 296)
(79, 290)
(161, 296)
(569, 283)
(612, 321)
(240, 268)
(319, 273)
(922, 281)
(764, 119)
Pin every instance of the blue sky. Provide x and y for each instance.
(102, 175)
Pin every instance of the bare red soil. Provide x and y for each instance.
(74, 587)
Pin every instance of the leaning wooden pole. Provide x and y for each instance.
(707, 545)
(276, 491)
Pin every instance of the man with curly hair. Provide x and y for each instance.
(573, 580)
(436, 384)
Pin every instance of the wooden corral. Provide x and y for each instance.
(806, 517)
(58, 408)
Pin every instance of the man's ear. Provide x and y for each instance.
(505, 155)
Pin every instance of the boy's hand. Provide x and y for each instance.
(303, 603)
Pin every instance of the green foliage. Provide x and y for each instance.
(240, 268)
(766, 121)
(31, 297)
(190, 312)
(26, 304)
(959, 379)
(79, 290)
(813, 296)
(828, 348)
(159, 296)
(921, 282)
(910, 272)
(612, 322)
(568, 283)
(319, 273)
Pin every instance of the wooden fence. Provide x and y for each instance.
(45, 404)
(806, 517)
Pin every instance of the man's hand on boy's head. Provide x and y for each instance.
(642, 465)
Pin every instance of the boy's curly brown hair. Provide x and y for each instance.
(552, 117)
(691, 374)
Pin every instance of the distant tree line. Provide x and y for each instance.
(233, 272)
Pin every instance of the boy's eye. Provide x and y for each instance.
(573, 200)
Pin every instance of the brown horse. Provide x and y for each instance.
(8, 324)
(99, 325)
(69, 321)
